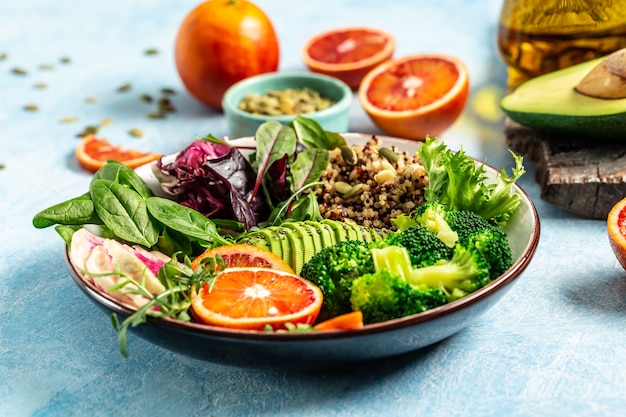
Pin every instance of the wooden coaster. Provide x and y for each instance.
(584, 176)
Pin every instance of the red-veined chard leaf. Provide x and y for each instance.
(273, 142)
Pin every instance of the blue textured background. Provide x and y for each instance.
(554, 346)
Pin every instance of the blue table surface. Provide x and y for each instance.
(553, 346)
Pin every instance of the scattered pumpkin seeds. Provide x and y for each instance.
(41, 86)
(91, 100)
(388, 154)
(31, 107)
(156, 115)
(18, 71)
(146, 98)
(46, 67)
(168, 91)
(124, 87)
(3, 56)
(151, 51)
(106, 122)
(2, 166)
(65, 60)
(290, 101)
(135, 133)
(165, 105)
(69, 119)
(89, 130)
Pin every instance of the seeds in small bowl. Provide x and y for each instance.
(290, 101)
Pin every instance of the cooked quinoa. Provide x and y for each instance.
(374, 189)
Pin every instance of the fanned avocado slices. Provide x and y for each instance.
(297, 242)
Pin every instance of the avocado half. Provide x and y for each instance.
(550, 103)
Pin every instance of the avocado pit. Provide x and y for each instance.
(607, 80)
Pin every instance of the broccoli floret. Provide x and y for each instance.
(424, 247)
(385, 295)
(464, 273)
(333, 269)
(432, 215)
(494, 245)
(466, 222)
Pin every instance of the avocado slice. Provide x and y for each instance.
(274, 241)
(301, 243)
(324, 231)
(551, 103)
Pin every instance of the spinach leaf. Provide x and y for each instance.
(121, 174)
(66, 233)
(124, 212)
(183, 219)
(76, 211)
(311, 134)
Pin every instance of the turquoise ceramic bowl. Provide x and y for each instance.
(334, 119)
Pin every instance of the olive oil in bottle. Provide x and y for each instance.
(539, 36)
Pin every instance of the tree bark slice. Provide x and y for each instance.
(584, 176)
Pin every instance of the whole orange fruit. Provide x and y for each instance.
(221, 42)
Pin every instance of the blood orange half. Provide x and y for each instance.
(242, 255)
(415, 96)
(252, 298)
(616, 226)
(348, 53)
(92, 153)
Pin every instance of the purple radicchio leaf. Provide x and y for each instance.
(214, 179)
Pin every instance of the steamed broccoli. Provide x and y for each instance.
(464, 273)
(466, 222)
(385, 295)
(494, 245)
(424, 247)
(333, 269)
(432, 215)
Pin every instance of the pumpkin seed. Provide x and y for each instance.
(124, 87)
(156, 115)
(146, 98)
(151, 51)
(46, 67)
(19, 71)
(40, 86)
(70, 119)
(91, 100)
(136, 133)
(65, 60)
(3, 56)
(342, 187)
(388, 154)
(354, 191)
(88, 130)
(349, 155)
(106, 122)
(168, 91)
(31, 107)
(385, 176)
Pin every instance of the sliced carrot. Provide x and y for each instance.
(348, 321)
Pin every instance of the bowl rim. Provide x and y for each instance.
(388, 326)
(340, 105)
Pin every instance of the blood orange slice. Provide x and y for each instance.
(242, 255)
(92, 153)
(616, 226)
(348, 53)
(252, 298)
(415, 96)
